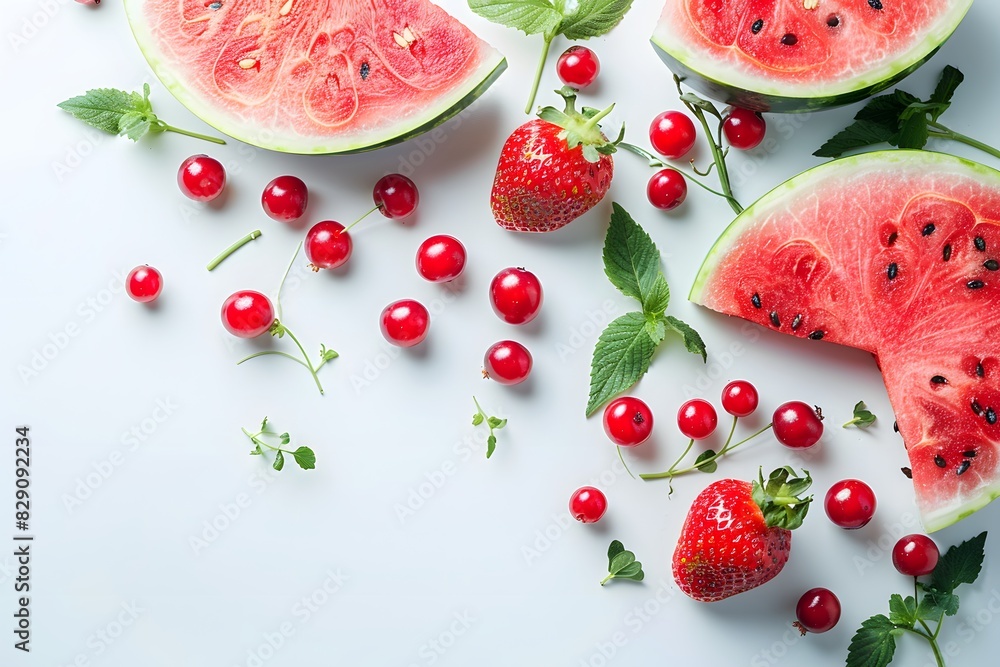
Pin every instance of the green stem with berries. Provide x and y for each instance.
(673, 472)
(656, 162)
(233, 248)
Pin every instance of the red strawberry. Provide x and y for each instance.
(737, 535)
(552, 169)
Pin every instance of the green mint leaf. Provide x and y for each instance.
(305, 457)
(621, 561)
(279, 460)
(593, 18)
(491, 445)
(951, 79)
(946, 602)
(621, 356)
(631, 260)
(703, 463)
(656, 328)
(959, 565)
(529, 16)
(885, 110)
(134, 125)
(102, 108)
(874, 644)
(614, 549)
(902, 612)
(477, 419)
(912, 132)
(859, 134)
(862, 416)
(285, 438)
(930, 608)
(692, 339)
(658, 299)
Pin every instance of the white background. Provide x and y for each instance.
(490, 543)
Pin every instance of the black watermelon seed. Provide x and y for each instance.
(895, 426)
(980, 243)
(875, 4)
(365, 71)
(940, 462)
(757, 26)
(796, 321)
(929, 229)
(975, 284)
(755, 300)
(833, 20)
(788, 39)
(947, 252)
(774, 318)
(980, 371)
(963, 466)
(970, 454)
(907, 472)
(991, 265)
(978, 409)
(939, 379)
(991, 416)
(892, 271)
(817, 335)
(891, 241)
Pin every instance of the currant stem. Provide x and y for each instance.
(670, 474)
(305, 356)
(656, 163)
(285, 277)
(233, 248)
(947, 133)
(187, 133)
(348, 228)
(277, 352)
(622, 459)
(538, 72)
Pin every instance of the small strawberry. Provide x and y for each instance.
(553, 169)
(737, 535)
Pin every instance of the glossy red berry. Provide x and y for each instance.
(667, 189)
(144, 283)
(588, 504)
(405, 322)
(578, 66)
(797, 425)
(672, 134)
(850, 503)
(247, 314)
(628, 421)
(697, 419)
(507, 362)
(744, 129)
(818, 610)
(201, 178)
(915, 555)
(441, 258)
(285, 198)
(328, 245)
(739, 398)
(395, 196)
(516, 295)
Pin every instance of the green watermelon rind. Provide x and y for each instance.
(803, 182)
(758, 97)
(451, 106)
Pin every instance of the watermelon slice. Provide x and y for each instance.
(314, 76)
(896, 253)
(800, 55)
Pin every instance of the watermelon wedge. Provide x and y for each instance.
(315, 76)
(896, 253)
(800, 55)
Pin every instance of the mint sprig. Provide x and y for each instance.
(622, 564)
(874, 644)
(493, 423)
(863, 417)
(579, 19)
(625, 348)
(303, 456)
(903, 120)
(119, 112)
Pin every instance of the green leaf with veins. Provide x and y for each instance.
(863, 417)
(693, 342)
(622, 564)
(493, 423)
(305, 457)
(706, 461)
(593, 18)
(874, 644)
(279, 460)
(631, 259)
(622, 355)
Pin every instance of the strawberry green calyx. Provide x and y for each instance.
(581, 128)
(779, 498)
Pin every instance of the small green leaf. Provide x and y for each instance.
(631, 259)
(929, 609)
(884, 110)
(951, 79)
(327, 354)
(692, 339)
(491, 445)
(305, 457)
(874, 644)
(102, 108)
(593, 18)
(859, 134)
(529, 16)
(961, 564)
(902, 612)
(862, 416)
(658, 298)
(133, 125)
(656, 328)
(620, 561)
(285, 438)
(614, 549)
(256, 451)
(279, 461)
(622, 564)
(621, 356)
(946, 602)
(477, 419)
(706, 461)
(263, 424)
(633, 572)
(912, 132)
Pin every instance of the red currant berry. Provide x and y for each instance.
(328, 245)
(440, 258)
(818, 610)
(697, 419)
(739, 398)
(672, 134)
(850, 503)
(247, 314)
(915, 555)
(797, 425)
(405, 322)
(144, 283)
(628, 421)
(516, 295)
(507, 362)
(667, 189)
(285, 198)
(395, 196)
(588, 504)
(578, 66)
(201, 178)
(744, 129)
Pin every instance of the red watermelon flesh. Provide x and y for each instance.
(896, 253)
